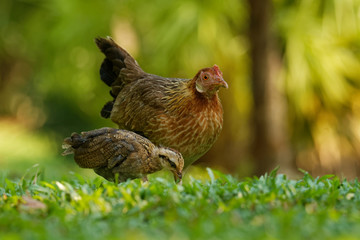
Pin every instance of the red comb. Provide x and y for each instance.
(217, 70)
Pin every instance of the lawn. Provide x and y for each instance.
(218, 206)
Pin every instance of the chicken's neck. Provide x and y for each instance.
(203, 97)
(208, 94)
(155, 162)
(187, 98)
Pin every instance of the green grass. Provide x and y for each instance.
(222, 207)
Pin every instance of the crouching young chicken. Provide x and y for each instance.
(112, 151)
(183, 114)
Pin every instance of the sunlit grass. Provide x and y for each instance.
(217, 207)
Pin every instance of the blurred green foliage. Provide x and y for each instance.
(322, 79)
(219, 207)
(49, 83)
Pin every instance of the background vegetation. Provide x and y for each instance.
(293, 70)
(49, 83)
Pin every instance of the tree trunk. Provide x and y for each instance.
(270, 134)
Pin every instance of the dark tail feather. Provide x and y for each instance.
(114, 61)
(107, 73)
(110, 68)
(106, 110)
(117, 59)
(110, 49)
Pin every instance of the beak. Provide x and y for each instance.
(177, 177)
(222, 83)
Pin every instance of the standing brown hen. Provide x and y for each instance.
(183, 114)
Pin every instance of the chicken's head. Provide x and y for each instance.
(209, 80)
(171, 160)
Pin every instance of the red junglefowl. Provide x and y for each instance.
(183, 114)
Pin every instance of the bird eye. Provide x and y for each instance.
(205, 77)
(172, 164)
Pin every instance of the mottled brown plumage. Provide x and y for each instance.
(109, 151)
(183, 114)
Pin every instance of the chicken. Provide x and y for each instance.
(112, 151)
(183, 114)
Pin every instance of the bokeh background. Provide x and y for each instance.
(293, 69)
